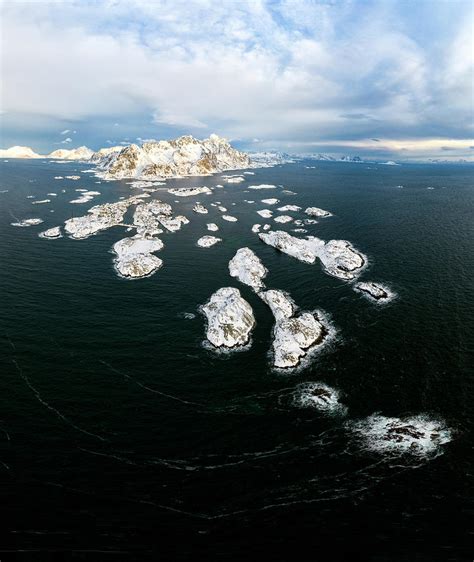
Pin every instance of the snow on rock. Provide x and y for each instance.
(137, 245)
(19, 152)
(229, 218)
(173, 224)
(288, 244)
(316, 212)
(212, 227)
(104, 152)
(146, 185)
(247, 268)
(134, 256)
(208, 241)
(185, 156)
(85, 197)
(256, 228)
(339, 258)
(230, 318)
(75, 178)
(51, 233)
(81, 153)
(222, 209)
(40, 202)
(237, 179)
(98, 218)
(265, 213)
(283, 219)
(189, 191)
(418, 435)
(293, 335)
(139, 265)
(263, 186)
(271, 201)
(27, 222)
(147, 217)
(281, 305)
(198, 208)
(375, 291)
(287, 208)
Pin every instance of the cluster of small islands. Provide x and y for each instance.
(297, 334)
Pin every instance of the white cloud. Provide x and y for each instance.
(290, 72)
(66, 140)
(65, 132)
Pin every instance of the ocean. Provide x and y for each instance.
(123, 436)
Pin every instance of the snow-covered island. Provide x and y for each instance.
(230, 319)
(185, 156)
(375, 291)
(100, 217)
(338, 257)
(294, 334)
(247, 268)
(208, 241)
(135, 256)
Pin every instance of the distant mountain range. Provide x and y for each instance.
(81, 153)
(183, 156)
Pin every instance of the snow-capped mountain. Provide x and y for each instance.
(103, 152)
(184, 156)
(19, 152)
(329, 158)
(81, 153)
(267, 159)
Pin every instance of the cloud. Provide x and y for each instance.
(288, 72)
(65, 132)
(66, 140)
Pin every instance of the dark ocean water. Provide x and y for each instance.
(122, 437)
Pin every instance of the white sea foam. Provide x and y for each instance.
(418, 435)
(319, 396)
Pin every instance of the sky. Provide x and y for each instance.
(378, 78)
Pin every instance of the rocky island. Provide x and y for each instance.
(418, 435)
(230, 319)
(375, 291)
(247, 268)
(135, 256)
(319, 396)
(294, 334)
(339, 258)
(185, 156)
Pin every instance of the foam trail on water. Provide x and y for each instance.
(145, 387)
(46, 405)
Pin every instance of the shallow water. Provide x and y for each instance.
(121, 432)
